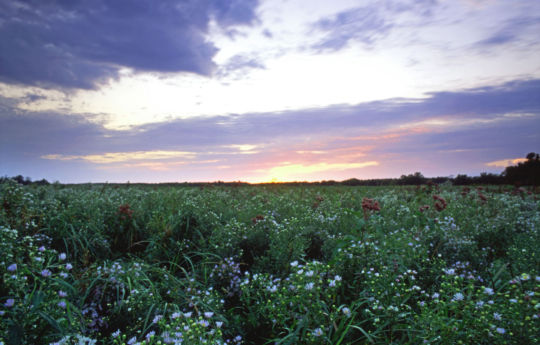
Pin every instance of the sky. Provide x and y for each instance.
(266, 90)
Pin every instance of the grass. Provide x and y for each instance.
(270, 264)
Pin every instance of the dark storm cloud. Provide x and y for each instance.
(77, 44)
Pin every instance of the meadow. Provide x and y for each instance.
(273, 264)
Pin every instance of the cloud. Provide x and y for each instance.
(518, 29)
(442, 133)
(506, 162)
(78, 44)
(367, 24)
(363, 25)
(238, 65)
(115, 157)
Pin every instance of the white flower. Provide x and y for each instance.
(435, 295)
(309, 286)
(332, 283)
(318, 332)
(294, 263)
(458, 297)
(219, 324)
(337, 278)
(346, 311)
(309, 273)
(208, 314)
(488, 291)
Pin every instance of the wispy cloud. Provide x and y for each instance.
(115, 157)
(505, 162)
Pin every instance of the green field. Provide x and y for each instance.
(99, 264)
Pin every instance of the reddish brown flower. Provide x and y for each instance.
(257, 219)
(440, 203)
(125, 212)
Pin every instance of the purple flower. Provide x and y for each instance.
(62, 293)
(46, 273)
(62, 304)
(62, 256)
(9, 303)
(68, 266)
(12, 267)
(41, 249)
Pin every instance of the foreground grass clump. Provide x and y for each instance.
(101, 264)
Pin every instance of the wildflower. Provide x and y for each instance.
(68, 266)
(479, 304)
(157, 318)
(309, 273)
(450, 271)
(435, 295)
(46, 273)
(116, 334)
(188, 314)
(132, 341)
(346, 311)
(208, 314)
(204, 323)
(318, 332)
(12, 267)
(62, 304)
(9, 303)
(513, 300)
(497, 316)
(525, 276)
(294, 263)
(337, 278)
(150, 335)
(62, 293)
(62, 256)
(63, 275)
(41, 249)
(488, 291)
(238, 338)
(332, 283)
(175, 315)
(458, 297)
(309, 286)
(273, 288)
(500, 330)
(219, 324)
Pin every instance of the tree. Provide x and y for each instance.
(525, 173)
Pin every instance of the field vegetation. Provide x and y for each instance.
(429, 264)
